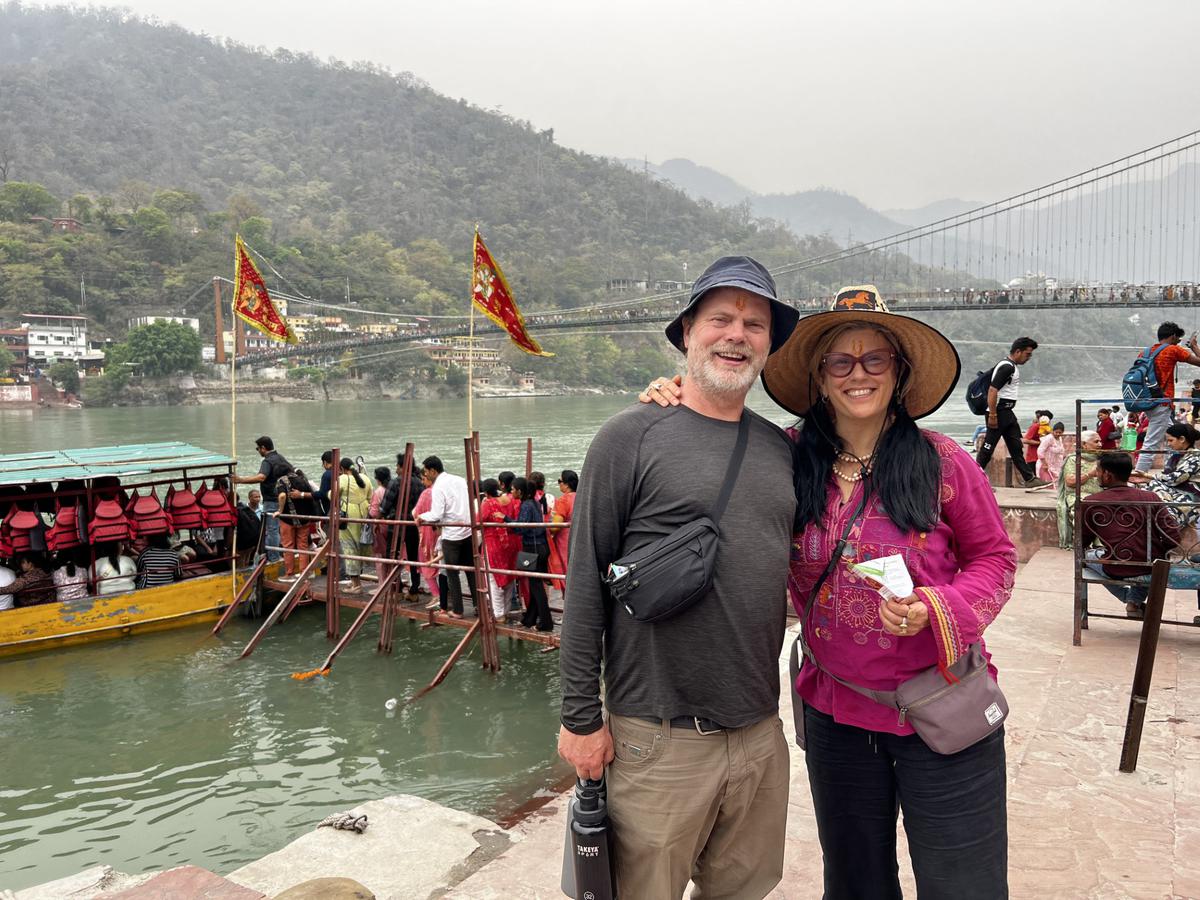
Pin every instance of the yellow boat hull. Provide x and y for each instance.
(53, 625)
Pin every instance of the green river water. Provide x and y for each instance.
(165, 749)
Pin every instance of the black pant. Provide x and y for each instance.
(1009, 428)
(955, 813)
(412, 542)
(458, 553)
(539, 605)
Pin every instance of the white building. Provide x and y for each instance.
(194, 324)
(52, 338)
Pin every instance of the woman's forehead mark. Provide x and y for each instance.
(857, 346)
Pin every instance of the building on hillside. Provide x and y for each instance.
(51, 338)
(16, 340)
(139, 321)
(256, 341)
(63, 224)
(458, 352)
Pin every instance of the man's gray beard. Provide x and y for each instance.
(703, 371)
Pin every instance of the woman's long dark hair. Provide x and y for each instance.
(349, 466)
(907, 474)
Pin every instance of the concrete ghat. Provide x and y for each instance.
(411, 848)
(1077, 827)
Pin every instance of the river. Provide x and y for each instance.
(164, 749)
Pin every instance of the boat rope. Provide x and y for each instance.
(344, 822)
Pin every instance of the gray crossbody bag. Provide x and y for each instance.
(948, 712)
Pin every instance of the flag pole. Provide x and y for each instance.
(232, 427)
(471, 343)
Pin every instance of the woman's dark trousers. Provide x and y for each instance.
(539, 605)
(955, 813)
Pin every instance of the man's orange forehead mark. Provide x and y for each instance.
(740, 303)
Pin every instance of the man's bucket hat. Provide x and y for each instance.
(790, 376)
(749, 275)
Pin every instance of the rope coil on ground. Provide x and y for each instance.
(344, 822)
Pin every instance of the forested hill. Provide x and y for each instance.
(100, 103)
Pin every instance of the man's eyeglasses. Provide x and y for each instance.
(839, 365)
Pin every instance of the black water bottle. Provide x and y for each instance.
(592, 840)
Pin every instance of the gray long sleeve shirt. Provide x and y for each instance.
(648, 471)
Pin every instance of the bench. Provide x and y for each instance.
(1184, 576)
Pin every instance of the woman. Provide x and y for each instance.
(429, 545)
(114, 571)
(33, 585)
(560, 538)
(501, 544)
(158, 564)
(1051, 453)
(535, 541)
(1086, 473)
(379, 544)
(1034, 434)
(295, 499)
(1179, 483)
(860, 376)
(355, 504)
(70, 580)
(1110, 437)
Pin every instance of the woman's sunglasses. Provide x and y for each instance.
(839, 365)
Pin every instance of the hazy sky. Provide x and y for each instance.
(898, 103)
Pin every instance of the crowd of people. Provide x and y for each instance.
(39, 572)
(525, 529)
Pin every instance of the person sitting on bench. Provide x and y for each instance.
(1116, 519)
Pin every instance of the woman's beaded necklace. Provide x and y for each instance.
(864, 466)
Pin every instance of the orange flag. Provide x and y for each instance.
(491, 293)
(251, 301)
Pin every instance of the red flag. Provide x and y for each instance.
(251, 301)
(491, 293)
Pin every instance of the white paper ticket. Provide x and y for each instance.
(888, 575)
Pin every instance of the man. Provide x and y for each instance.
(7, 577)
(254, 503)
(1001, 420)
(1162, 414)
(451, 504)
(702, 687)
(249, 527)
(273, 465)
(387, 510)
(1123, 537)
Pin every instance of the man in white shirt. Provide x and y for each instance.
(254, 501)
(7, 577)
(451, 503)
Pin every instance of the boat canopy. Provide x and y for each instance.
(93, 462)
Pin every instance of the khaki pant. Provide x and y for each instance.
(710, 808)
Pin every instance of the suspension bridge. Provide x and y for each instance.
(1123, 235)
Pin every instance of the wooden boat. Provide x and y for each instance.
(190, 601)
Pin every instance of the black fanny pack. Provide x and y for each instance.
(666, 577)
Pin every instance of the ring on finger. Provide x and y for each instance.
(904, 624)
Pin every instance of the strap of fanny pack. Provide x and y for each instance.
(887, 698)
(735, 466)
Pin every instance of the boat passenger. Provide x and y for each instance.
(295, 499)
(379, 541)
(114, 570)
(158, 563)
(33, 586)
(560, 538)
(7, 577)
(70, 579)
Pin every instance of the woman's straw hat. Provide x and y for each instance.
(790, 376)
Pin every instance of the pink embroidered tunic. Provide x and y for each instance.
(963, 569)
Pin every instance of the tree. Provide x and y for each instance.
(8, 359)
(164, 348)
(65, 374)
(20, 200)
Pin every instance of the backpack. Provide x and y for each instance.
(977, 390)
(1140, 387)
